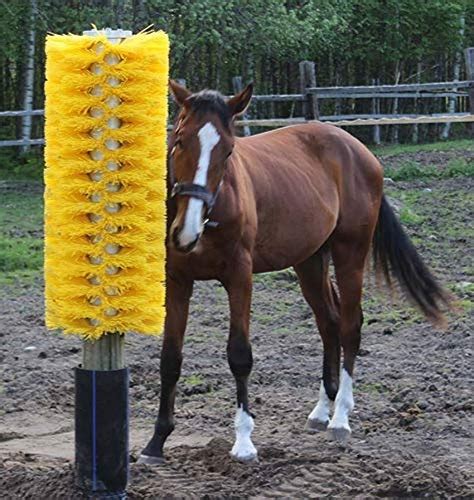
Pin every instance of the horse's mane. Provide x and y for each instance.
(210, 101)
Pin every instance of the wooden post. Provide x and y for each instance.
(238, 86)
(469, 56)
(307, 80)
(106, 353)
(376, 111)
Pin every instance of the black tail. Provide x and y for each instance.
(394, 254)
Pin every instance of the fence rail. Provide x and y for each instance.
(402, 87)
(33, 112)
(384, 120)
(310, 96)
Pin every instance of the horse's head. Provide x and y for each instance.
(200, 145)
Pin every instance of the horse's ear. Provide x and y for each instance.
(239, 103)
(179, 92)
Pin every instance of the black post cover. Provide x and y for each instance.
(102, 455)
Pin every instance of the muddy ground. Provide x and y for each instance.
(412, 424)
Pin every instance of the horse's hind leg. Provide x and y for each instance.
(349, 257)
(319, 292)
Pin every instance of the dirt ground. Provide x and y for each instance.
(412, 423)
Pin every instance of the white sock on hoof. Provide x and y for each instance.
(321, 410)
(243, 448)
(344, 403)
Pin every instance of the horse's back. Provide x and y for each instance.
(331, 145)
(305, 179)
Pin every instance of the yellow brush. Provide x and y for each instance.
(106, 113)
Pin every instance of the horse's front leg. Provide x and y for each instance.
(239, 355)
(178, 294)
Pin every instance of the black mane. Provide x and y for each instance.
(210, 101)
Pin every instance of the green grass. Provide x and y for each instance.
(411, 170)
(395, 149)
(21, 241)
(371, 388)
(408, 216)
(21, 212)
(192, 380)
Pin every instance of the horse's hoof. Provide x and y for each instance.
(314, 425)
(148, 460)
(250, 458)
(340, 434)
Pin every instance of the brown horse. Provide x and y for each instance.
(294, 197)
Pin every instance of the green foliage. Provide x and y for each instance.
(14, 166)
(352, 42)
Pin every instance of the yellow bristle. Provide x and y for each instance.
(105, 213)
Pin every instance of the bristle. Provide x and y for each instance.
(105, 227)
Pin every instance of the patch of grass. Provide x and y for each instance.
(193, 380)
(458, 167)
(20, 253)
(411, 170)
(465, 305)
(21, 234)
(395, 149)
(408, 216)
(19, 278)
(371, 388)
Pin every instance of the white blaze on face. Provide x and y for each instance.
(193, 226)
(344, 403)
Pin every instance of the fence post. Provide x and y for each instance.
(238, 86)
(376, 111)
(27, 119)
(308, 79)
(469, 56)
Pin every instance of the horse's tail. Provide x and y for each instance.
(394, 255)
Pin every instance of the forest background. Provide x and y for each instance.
(352, 42)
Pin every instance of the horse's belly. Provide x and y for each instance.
(286, 244)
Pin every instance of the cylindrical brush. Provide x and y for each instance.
(106, 112)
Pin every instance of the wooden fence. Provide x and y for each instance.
(311, 96)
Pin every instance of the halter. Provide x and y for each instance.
(195, 191)
(199, 192)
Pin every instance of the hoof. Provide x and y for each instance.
(340, 434)
(314, 425)
(250, 458)
(146, 459)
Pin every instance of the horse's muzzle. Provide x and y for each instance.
(188, 247)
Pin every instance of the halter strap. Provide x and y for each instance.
(194, 191)
(201, 193)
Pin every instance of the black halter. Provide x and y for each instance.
(194, 191)
(199, 192)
